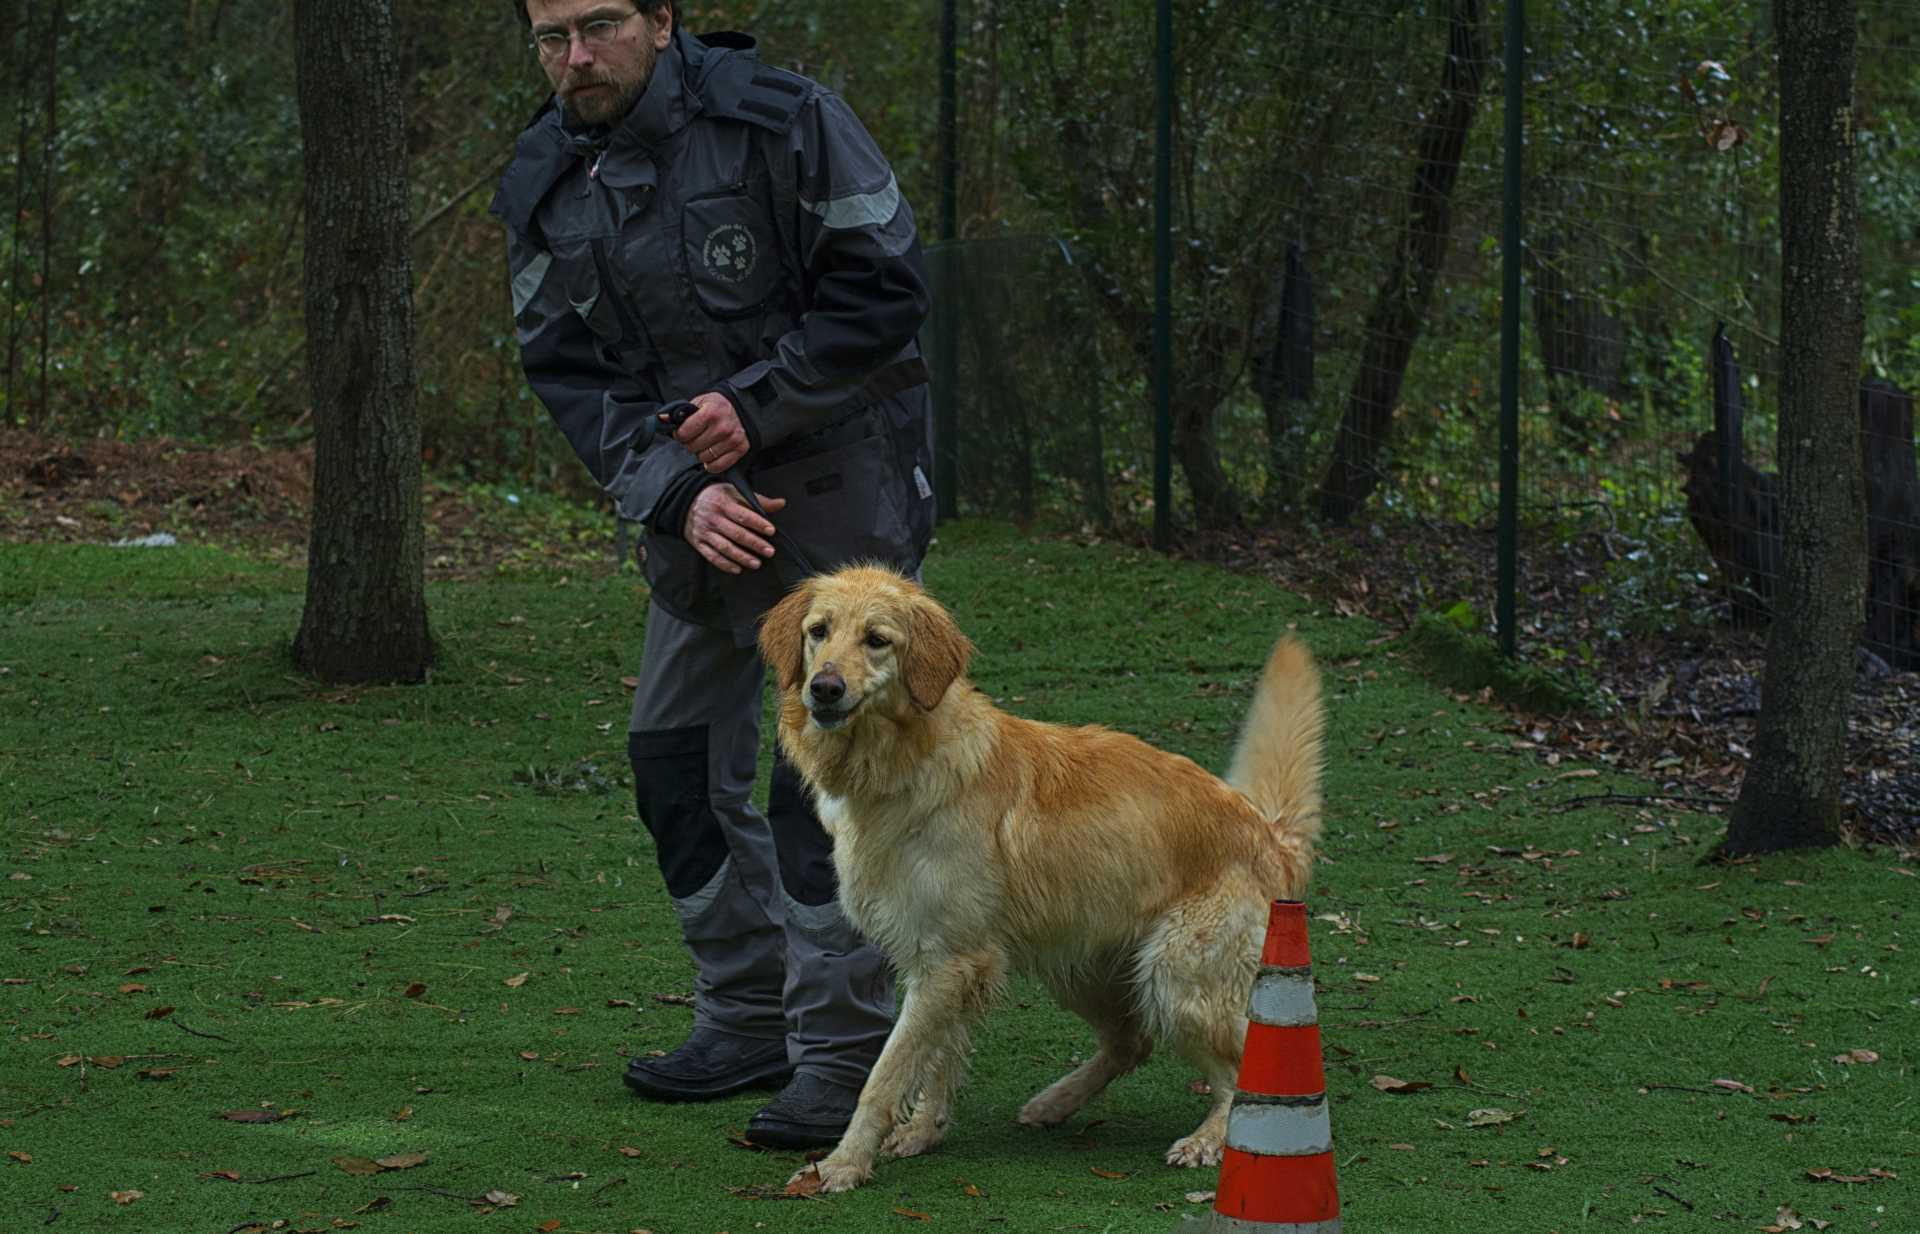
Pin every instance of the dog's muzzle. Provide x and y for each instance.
(827, 700)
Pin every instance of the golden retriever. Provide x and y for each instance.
(971, 844)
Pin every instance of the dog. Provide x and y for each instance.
(971, 843)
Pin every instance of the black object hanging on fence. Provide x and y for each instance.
(1293, 344)
(1735, 509)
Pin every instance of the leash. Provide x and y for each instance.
(675, 414)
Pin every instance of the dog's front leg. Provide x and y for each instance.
(922, 1057)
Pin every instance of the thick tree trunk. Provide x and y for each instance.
(1399, 310)
(1791, 795)
(366, 612)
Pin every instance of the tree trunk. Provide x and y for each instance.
(366, 611)
(1791, 795)
(1400, 308)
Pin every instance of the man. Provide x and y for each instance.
(685, 223)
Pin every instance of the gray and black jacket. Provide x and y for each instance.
(738, 231)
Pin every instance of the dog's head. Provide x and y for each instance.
(864, 637)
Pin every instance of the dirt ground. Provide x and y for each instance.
(1688, 699)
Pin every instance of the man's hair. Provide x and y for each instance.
(648, 7)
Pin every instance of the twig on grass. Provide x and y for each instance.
(451, 1195)
(1686, 1204)
(277, 1178)
(1685, 1088)
(187, 1028)
(1628, 799)
(607, 1186)
(424, 891)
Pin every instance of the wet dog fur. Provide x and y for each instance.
(971, 843)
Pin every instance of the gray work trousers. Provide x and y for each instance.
(755, 893)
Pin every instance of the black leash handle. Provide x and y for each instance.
(675, 414)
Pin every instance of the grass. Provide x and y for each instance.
(405, 923)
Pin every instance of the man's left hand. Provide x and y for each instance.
(713, 433)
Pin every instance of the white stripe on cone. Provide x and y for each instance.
(1283, 998)
(1279, 1129)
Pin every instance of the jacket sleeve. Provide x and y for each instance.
(606, 417)
(863, 278)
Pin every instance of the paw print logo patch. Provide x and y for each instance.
(729, 252)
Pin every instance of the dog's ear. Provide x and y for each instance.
(782, 639)
(937, 652)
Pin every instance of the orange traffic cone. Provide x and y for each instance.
(1277, 1174)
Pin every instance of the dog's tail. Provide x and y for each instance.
(1277, 763)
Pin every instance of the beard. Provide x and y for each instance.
(617, 90)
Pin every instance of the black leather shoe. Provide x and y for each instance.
(809, 1113)
(710, 1064)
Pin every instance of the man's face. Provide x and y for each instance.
(598, 82)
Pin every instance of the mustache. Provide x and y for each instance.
(581, 81)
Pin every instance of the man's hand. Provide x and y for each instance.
(724, 529)
(713, 432)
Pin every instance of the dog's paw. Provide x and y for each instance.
(1049, 1108)
(1195, 1150)
(910, 1139)
(836, 1173)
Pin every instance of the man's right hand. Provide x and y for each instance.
(724, 529)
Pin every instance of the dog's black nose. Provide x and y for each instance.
(827, 689)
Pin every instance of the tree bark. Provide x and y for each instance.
(366, 612)
(1400, 308)
(1791, 794)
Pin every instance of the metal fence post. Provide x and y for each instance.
(1510, 331)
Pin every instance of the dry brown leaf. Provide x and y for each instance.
(1198, 1197)
(531, 1056)
(400, 1161)
(1392, 1084)
(232, 1176)
(414, 989)
(517, 980)
(548, 1227)
(566, 1011)
(501, 1199)
(361, 1166)
(1489, 1116)
(250, 1116)
(674, 1000)
(631, 1152)
(1856, 1056)
(1100, 1173)
(805, 1183)
(159, 1013)
(126, 1197)
(22, 1158)
(908, 1212)
(402, 1114)
(106, 1062)
(133, 987)
(1733, 1086)
(68, 1060)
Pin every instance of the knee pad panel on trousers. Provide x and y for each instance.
(670, 789)
(804, 848)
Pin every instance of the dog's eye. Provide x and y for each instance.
(876, 640)
(818, 630)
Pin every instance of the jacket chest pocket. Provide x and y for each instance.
(732, 264)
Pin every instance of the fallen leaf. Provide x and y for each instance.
(517, 980)
(1369, 978)
(1438, 859)
(414, 989)
(805, 1183)
(531, 1056)
(620, 1002)
(566, 1011)
(22, 1158)
(133, 987)
(68, 1061)
(631, 1152)
(387, 919)
(674, 1000)
(1100, 1173)
(908, 1212)
(250, 1116)
(374, 1205)
(1489, 1116)
(126, 1197)
(403, 1114)
(1733, 1086)
(501, 1199)
(1198, 1197)
(361, 1166)
(548, 1227)
(106, 1062)
(155, 1073)
(159, 1013)
(1389, 1084)
(232, 1176)
(1845, 1060)
(400, 1161)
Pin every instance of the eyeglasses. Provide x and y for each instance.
(554, 44)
